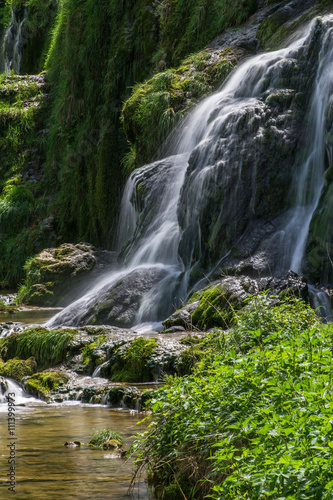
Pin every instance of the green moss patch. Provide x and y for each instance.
(130, 363)
(18, 368)
(23, 205)
(216, 308)
(162, 101)
(107, 439)
(48, 273)
(45, 382)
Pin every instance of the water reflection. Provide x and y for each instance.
(48, 470)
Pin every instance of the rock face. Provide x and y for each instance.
(215, 305)
(120, 304)
(54, 272)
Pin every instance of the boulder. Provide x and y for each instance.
(51, 274)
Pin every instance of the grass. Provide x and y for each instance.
(254, 419)
(48, 347)
(103, 436)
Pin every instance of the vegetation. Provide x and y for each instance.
(45, 382)
(254, 419)
(4, 308)
(130, 363)
(106, 437)
(18, 368)
(23, 206)
(48, 347)
(162, 101)
(90, 359)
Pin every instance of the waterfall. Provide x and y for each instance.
(194, 205)
(13, 43)
(18, 395)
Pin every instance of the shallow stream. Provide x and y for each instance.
(46, 469)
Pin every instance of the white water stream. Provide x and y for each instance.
(13, 43)
(152, 233)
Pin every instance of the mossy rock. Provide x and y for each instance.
(48, 273)
(45, 382)
(48, 347)
(168, 96)
(92, 356)
(130, 363)
(17, 369)
(189, 358)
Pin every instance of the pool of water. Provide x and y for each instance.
(30, 315)
(46, 469)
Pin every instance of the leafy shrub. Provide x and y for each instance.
(254, 420)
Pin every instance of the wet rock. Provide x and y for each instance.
(216, 305)
(51, 274)
(3, 385)
(124, 397)
(113, 444)
(181, 318)
(72, 444)
(119, 305)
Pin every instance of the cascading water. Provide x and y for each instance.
(218, 186)
(13, 43)
(18, 395)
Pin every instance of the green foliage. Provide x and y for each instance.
(89, 358)
(18, 368)
(4, 308)
(216, 308)
(254, 419)
(48, 347)
(22, 203)
(130, 363)
(162, 101)
(106, 435)
(99, 50)
(188, 25)
(45, 382)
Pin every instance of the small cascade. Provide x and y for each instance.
(321, 303)
(182, 214)
(98, 369)
(13, 43)
(17, 394)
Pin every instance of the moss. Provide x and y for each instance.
(162, 101)
(276, 28)
(90, 358)
(216, 308)
(108, 438)
(189, 25)
(45, 382)
(18, 368)
(130, 363)
(189, 358)
(23, 206)
(48, 347)
(47, 274)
